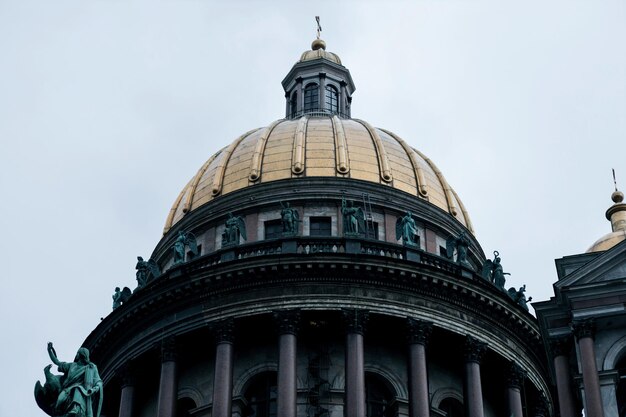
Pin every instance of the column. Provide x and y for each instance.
(168, 385)
(584, 331)
(418, 334)
(223, 377)
(322, 91)
(300, 98)
(288, 322)
(343, 99)
(474, 351)
(288, 105)
(514, 382)
(355, 321)
(560, 348)
(128, 391)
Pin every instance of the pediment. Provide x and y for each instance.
(606, 267)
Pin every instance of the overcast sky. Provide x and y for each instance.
(108, 108)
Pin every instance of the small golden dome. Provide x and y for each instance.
(318, 50)
(318, 146)
(616, 214)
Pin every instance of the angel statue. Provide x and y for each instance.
(407, 229)
(460, 245)
(235, 227)
(290, 218)
(76, 393)
(146, 270)
(519, 296)
(183, 240)
(120, 297)
(493, 272)
(353, 218)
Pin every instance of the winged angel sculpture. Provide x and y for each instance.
(184, 239)
(353, 218)
(235, 227)
(77, 393)
(146, 270)
(407, 230)
(493, 272)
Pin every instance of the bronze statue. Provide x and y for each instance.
(493, 272)
(183, 240)
(519, 296)
(120, 297)
(461, 245)
(235, 227)
(76, 393)
(290, 218)
(146, 270)
(353, 218)
(407, 229)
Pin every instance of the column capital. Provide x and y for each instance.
(560, 346)
(224, 331)
(542, 406)
(584, 328)
(515, 376)
(355, 320)
(474, 349)
(168, 349)
(126, 375)
(288, 321)
(418, 331)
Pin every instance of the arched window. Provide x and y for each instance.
(620, 367)
(184, 406)
(378, 396)
(293, 104)
(311, 98)
(261, 396)
(452, 407)
(332, 99)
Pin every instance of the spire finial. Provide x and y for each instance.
(318, 43)
(617, 195)
(319, 27)
(614, 180)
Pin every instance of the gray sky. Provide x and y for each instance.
(108, 107)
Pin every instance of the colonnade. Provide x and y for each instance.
(418, 333)
(561, 348)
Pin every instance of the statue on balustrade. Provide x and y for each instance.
(235, 227)
(519, 296)
(75, 393)
(290, 218)
(459, 244)
(493, 272)
(146, 270)
(353, 218)
(406, 229)
(184, 239)
(120, 297)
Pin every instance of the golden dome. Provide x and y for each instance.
(318, 50)
(617, 215)
(318, 146)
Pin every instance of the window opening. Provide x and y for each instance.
(273, 229)
(261, 396)
(311, 98)
(332, 99)
(320, 226)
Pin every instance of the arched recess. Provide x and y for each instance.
(380, 397)
(443, 393)
(261, 394)
(184, 406)
(240, 386)
(613, 355)
(397, 385)
(191, 393)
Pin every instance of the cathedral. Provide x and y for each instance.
(320, 266)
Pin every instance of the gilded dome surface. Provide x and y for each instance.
(616, 214)
(318, 146)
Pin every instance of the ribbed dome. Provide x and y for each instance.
(616, 214)
(318, 147)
